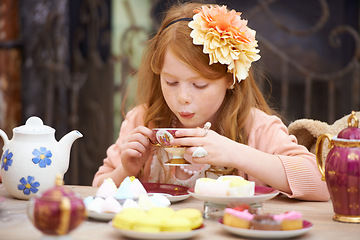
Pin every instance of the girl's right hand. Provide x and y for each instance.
(135, 149)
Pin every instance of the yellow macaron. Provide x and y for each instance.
(177, 224)
(128, 217)
(148, 223)
(194, 215)
(161, 212)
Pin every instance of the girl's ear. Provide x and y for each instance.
(230, 85)
(230, 82)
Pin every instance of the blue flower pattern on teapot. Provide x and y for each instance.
(28, 186)
(42, 157)
(6, 160)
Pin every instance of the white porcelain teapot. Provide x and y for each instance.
(32, 158)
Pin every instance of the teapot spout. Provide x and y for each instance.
(66, 142)
(4, 137)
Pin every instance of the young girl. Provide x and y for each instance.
(197, 70)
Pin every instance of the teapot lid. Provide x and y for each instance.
(34, 125)
(353, 130)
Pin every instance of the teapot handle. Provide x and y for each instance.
(4, 137)
(319, 157)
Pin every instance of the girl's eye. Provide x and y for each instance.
(200, 86)
(171, 83)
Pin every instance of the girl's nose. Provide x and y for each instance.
(184, 96)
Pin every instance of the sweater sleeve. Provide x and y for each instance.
(269, 134)
(113, 158)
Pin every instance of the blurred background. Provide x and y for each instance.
(73, 63)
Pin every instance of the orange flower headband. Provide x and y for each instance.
(226, 38)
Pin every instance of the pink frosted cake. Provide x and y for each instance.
(265, 222)
(239, 219)
(290, 220)
(242, 218)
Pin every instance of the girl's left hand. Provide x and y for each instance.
(218, 147)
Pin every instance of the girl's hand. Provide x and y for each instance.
(135, 149)
(218, 147)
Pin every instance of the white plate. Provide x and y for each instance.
(101, 216)
(261, 194)
(175, 198)
(110, 216)
(264, 234)
(160, 235)
(174, 193)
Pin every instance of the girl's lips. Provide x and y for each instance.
(186, 115)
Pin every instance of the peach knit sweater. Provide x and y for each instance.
(266, 133)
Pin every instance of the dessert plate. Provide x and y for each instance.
(174, 193)
(159, 235)
(101, 216)
(261, 194)
(265, 234)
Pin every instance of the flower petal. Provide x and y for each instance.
(35, 184)
(42, 164)
(47, 161)
(30, 179)
(36, 152)
(48, 154)
(43, 150)
(36, 160)
(34, 190)
(27, 191)
(23, 181)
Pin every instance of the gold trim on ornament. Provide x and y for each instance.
(347, 218)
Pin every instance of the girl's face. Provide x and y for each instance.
(194, 99)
